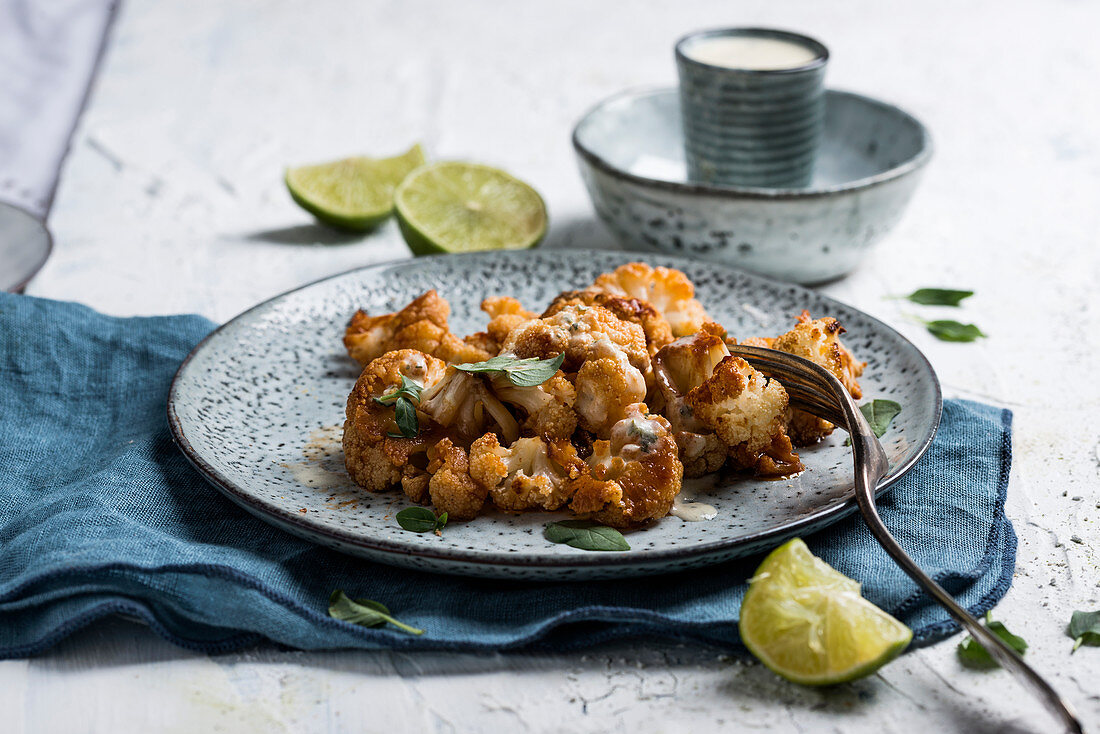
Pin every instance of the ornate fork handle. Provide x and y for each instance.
(817, 391)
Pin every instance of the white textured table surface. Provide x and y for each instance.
(172, 200)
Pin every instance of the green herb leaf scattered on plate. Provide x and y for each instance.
(952, 331)
(586, 535)
(938, 296)
(1084, 628)
(973, 655)
(520, 372)
(364, 612)
(421, 520)
(880, 413)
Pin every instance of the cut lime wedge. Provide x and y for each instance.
(353, 193)
(808, 622)
(464, 207)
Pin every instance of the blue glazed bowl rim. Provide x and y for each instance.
(915, 162)
(813, 44)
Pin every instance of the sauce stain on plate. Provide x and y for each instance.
(323, 467)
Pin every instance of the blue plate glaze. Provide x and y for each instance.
(257, 407)
(631, 154)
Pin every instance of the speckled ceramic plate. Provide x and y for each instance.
(25, 245)
(257, 407)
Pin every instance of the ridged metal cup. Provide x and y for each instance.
(751, 127)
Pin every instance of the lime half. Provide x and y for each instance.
(353, 193)
(807, 622)
(464, 207)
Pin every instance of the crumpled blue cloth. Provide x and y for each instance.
(100, 514)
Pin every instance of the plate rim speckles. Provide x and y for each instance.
(187, 387)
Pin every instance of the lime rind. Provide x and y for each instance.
(453, 206)
(807, 622)
(353, 193)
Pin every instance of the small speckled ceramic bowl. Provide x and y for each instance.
(631, 154)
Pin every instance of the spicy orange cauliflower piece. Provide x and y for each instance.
(505, 314)
(421, 325)
(818, 340)
(375, 460)
(708, 392)
(451, 488)
(606, 387)
(666, 289)
(582, 333)
(549, 407)
(679, 368)
(634, 477)
(531, 474)
(746, 410)
(463, 404)
(700, 453)
(657, 330)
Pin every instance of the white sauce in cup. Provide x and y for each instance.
(750, 52)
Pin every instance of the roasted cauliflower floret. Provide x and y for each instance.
(700, 453)
(688, 362)
(374, 459)
(818, 340)
(679, 368)
(548, 407)
(505, 314)
(709, 393)
(634, 477)
(531, 474)
(464, 405)
(746, 410)
(421, 325)
(606, 387)
(657, 330)
(581, 333)
(666, 289)
(451, 488)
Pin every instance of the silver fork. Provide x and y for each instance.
(816, 390)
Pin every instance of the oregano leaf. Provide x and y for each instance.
(1084, 628)
(973, 655)
(520, 372)
(419, 519)
(586, 535)
(952, 331)
(408, 389)
(364, 612)
(405, 416)
(879, 414)
(938, 296)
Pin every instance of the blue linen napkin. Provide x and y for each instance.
(100, 514)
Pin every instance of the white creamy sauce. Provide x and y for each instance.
(692, 511)
(749, 52)
(686, 508)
